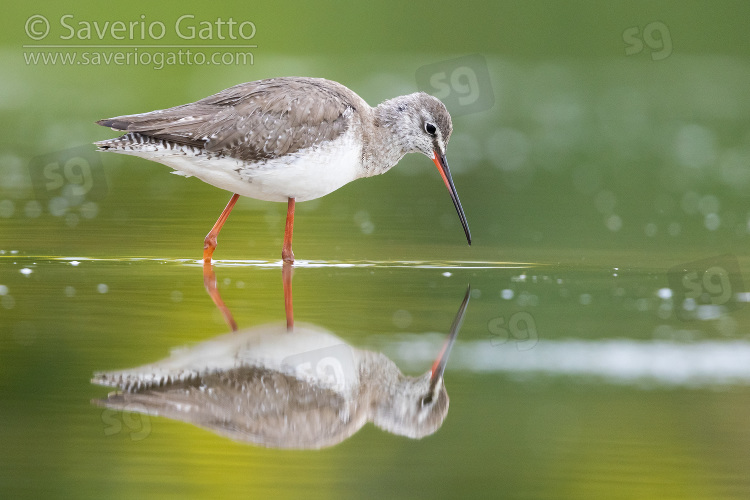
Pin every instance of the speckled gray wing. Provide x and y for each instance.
(253, 121)
(252, 404)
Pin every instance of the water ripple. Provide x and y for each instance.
(406, 264)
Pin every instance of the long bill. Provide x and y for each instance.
(438, 368)
(445, 173)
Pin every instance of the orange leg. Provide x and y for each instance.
(209, 281)
(209, 244)
(286, 252)
(287, 271)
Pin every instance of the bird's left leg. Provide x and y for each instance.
(286, 252)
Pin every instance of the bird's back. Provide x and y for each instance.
(252, 121)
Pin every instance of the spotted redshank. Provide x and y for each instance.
(286, 140)
(300, 389)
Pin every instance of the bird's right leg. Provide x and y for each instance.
(209, 244)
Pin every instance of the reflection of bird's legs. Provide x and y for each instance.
(287, 271)
(209, 244)
(209, 277)
(209, 281)
(286, 252)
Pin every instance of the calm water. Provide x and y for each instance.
(563, 378)
(602, 157)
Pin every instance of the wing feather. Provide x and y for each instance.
(253, 121)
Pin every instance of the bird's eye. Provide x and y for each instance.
(430, 128)
(426, 400)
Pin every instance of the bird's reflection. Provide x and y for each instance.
(278, 387)
(209, 281)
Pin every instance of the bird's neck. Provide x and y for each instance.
(383, 382)
(383, 146)
(378, 371)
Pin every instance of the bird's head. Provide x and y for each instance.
(420, 123)
(416, 407)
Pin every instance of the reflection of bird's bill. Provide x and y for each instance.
(445, 173)
(438, 367)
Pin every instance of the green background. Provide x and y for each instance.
(590, 174)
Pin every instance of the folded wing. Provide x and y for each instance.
(252, 121)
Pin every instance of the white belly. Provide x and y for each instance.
(306, 175)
